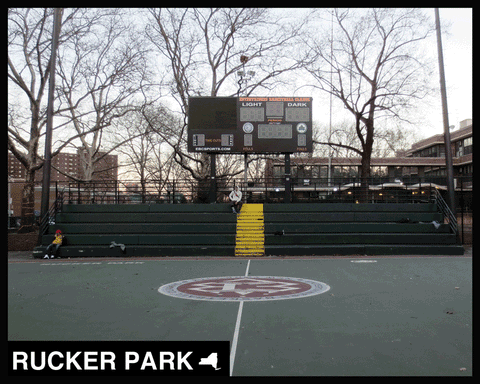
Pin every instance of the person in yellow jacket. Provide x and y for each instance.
(56, 243)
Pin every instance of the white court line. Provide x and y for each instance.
(248, 267)
(54, 263)
(237, 329)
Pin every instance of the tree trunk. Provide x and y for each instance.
(366, 161)
(28, 204)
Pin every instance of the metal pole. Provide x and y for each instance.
(287, 196)
(446, 130)
(462, 202)
(213, 182)
(57, 19)
(330, 151)
(245, 170)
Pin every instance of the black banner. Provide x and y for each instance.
(115, 358)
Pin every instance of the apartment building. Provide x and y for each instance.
(65, 167)
(425, 160)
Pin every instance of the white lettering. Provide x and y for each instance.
(42, 361)
(17, 360)
(71, 360)
(169, 361)
(107, 358)
(183, 360)
(296, 104)
(50, 362)
(148, 361)
(56, 360)
(90, 357)
(128, 359)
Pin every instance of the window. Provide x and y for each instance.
(379, 171)
(441, 150)
(468, 145)
(278, 171)
(459, 148)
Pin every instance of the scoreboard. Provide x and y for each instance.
(250, 124)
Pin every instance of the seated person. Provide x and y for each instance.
(236, 198)
(56, 243)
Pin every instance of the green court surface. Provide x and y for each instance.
(385, 316)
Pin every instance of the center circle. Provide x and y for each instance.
(243, 288)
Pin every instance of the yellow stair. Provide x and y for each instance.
(250, 239)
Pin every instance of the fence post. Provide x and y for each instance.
(288, 181)
(461, 202)
(354, 190)
(213, 182)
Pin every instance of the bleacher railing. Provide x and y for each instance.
(262, 190)
(446, 211)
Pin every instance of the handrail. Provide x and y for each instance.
(445, 210)
(51, 214)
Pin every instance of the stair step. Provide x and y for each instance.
(250, 237)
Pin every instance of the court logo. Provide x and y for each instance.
(242, 288)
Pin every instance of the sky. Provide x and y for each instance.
(456, 27)
(458, 59)
(457, 34)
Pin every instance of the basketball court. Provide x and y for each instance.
(400, 316)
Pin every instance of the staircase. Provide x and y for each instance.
(250, 235)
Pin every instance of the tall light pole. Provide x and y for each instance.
(446, 126)
(330, 150)
(57, 20)
(244, 77)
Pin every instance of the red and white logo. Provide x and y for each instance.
(243, 288)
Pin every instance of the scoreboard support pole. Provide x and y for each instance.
(288, 181)
(245, 170)
(213, 182)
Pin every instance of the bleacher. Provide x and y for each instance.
(99, 230)
(357, 229)
(144, 230)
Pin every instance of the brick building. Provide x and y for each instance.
(425, 160)
(461, 147)
(63, 166)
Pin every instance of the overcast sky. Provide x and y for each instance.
(456, 26)
(457, 55)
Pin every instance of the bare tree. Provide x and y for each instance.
(374, 67)
(29, 51)
(138, 132)
(205, 48)
(101, 74)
